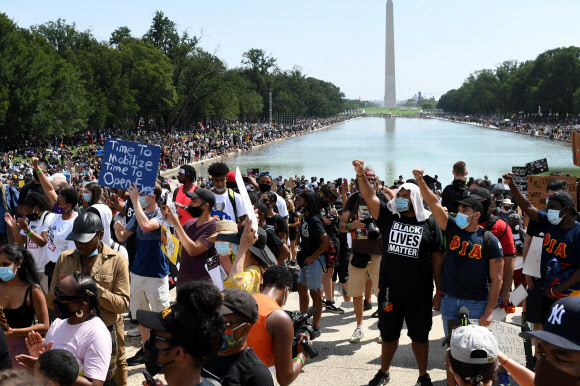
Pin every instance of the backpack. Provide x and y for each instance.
(232, 197)
(487, 237)
(491, 222)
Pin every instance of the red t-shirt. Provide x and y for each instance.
(507, 240)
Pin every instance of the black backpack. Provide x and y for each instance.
(491, 222)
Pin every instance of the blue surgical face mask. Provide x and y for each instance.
(554, 216)
(87, 197)
(6, 273)
(222, 248)
(235, 249)
(402, 204)
(461, 220)
(142, 202)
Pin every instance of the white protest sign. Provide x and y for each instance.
(246, 199)
(516, 296)
(532, 263)
(508, 340)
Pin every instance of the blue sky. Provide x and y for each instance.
(438, 43)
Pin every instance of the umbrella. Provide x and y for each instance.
(500, 187)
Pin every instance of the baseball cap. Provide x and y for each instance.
(231, 176)
(241, 303)
(260, 249)
(480, 193)
(564, 198)
(465, 340)
(471, 202)
(204, 194)
(85, 227)
(223, 226)
(561, 327)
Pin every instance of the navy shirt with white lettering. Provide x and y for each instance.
(466, 270)
(407, 246)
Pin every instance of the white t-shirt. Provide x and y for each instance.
(89, 342)
(281, 204)
(38, 253)
(57, 232)
(223, 206)
(106, 218)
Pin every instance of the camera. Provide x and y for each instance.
(303, 326)
(372, 230)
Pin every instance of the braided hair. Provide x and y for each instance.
(89, 290)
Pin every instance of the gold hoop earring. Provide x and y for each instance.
(79, 314)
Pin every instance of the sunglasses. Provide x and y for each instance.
(65, 298)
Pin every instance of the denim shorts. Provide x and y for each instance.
(450, 309)
(311, 275)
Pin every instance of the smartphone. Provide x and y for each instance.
(165, 199)
(148, 378)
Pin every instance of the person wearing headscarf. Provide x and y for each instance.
(412, 245)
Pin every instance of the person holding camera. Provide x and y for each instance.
(366, 248)
(412, 244)
(272, 336)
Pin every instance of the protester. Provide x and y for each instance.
(228, 204)
(412, 244)
(366, 252)
(94, 258)
(186, 177)
(185, 334)
(264, 185)
(235, 363)
(149, 274)
(271, 336)
(23, 301)
(293, 227)
(193, 235)
(77, 330)
(57, 367)
(8, 206)
(92, 197)
(457, 190)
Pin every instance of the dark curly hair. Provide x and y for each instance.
(17, 254)
(59, 366)
(33, 199)
(88, 289)
(218, 169)
(70, 197)
(203, 300)
(189, 171)
(277, 276)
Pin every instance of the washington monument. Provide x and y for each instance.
(390, 93)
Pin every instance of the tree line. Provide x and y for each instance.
(550, 82)
(55, 79)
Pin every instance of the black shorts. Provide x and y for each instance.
(537, 305)
(415, 308)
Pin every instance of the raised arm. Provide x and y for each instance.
(46, 185)
(431, 199)
(525, 205)
(366, 190)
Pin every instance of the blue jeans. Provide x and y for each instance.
(311, 275)
(450, 309)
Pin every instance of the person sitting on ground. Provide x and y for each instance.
(473, 354)
(272, 335)
(235, 363)
(185, 334)
(57, 367)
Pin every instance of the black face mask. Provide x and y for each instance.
(195, 211)
(152, 358)
(32, 216)
(61, 310)
(546, 373)
(231, 185)
(302, 209)
(265, 187)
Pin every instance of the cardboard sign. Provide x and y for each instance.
(78, 169)
(290, 184)
(521, 178)
(536, 167)
(509, 342)
(126, 162)
(576, 148)
(537, 189)
(246, 199)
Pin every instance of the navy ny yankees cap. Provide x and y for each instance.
(561, 327)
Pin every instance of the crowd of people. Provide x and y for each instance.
(546, 126)
(77, 257)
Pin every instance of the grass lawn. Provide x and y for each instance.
(389, 110)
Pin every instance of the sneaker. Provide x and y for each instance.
(358, 334)
(375, 314)
(380, 379)
(316, 333)
(331, 307)
(137, 359)
(134, 332)
(368, 306)
(424, 380)
(503, 379)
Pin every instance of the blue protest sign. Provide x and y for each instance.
(125, 162)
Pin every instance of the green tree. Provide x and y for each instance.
(119, 35)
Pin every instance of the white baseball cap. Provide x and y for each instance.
(465, 340)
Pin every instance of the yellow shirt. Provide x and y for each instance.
(248, 280)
